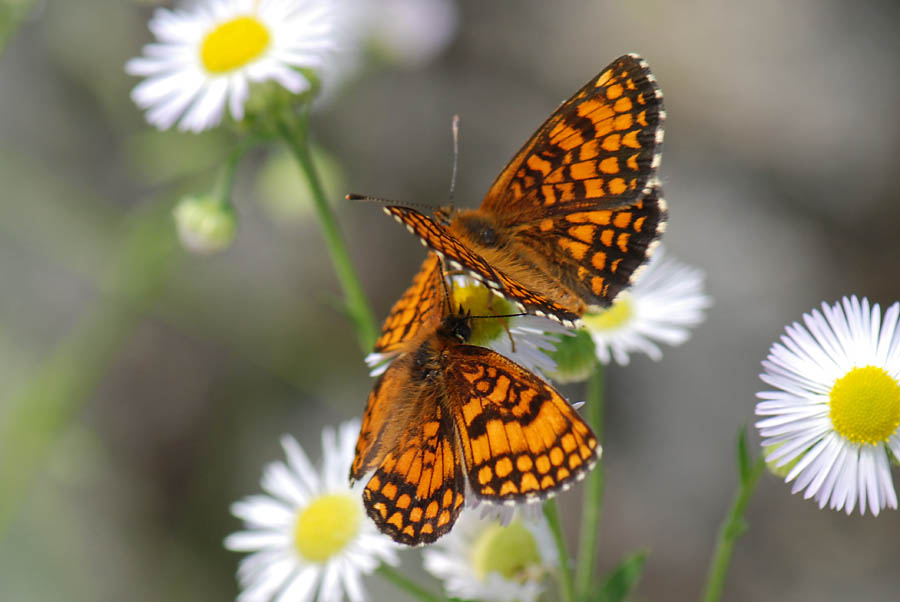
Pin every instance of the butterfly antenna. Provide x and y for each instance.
(374, 199)
(521, 313)
(454, 126)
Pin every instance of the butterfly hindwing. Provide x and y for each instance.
(417, 491)
(519, 437)
(597, 252)
(602, 146)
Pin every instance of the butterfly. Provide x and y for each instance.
(576, 212)
(446, 416)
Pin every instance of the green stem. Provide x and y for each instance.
(593, 487)
(731, 528)
(34, 417)
(566, 582)
(415, 590)
(12, 13)
(225, 180)
(293, 128)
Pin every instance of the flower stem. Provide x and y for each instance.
(415, 590)
(225, 179)
(566, 582)
(11, 16)
(593, 487)
(33, 419)
(731, 528)
(293, 128)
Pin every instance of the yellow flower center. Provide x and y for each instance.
(234, 44)
(612, 317)
(865, 406)
(480, 301)
(326, 526)
(510, 551)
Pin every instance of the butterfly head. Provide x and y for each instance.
(444, 215)
(458, 325)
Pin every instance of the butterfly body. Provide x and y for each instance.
(576, 212)
(447, 417)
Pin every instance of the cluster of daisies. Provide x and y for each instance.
(831, 423)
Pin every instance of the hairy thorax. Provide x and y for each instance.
(501, 248)
(478, 228)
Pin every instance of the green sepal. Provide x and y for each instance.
(621, 581)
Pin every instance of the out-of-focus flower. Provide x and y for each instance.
(208, 56)
(481, 559)
(410, 32)
(665, 301)
(309, 532)
(575, 357)
(205, 224)
(527, 340)
(835, 413)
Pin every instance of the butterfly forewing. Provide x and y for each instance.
(602, 145)
(417, 310)
(459, 255)
(520, 439)
(375, 422)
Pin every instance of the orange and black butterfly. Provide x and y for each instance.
(577, 210)
(446, 414)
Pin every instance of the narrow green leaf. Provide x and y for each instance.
(622, 580)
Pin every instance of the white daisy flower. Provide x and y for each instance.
(207, 56)
(481, 559)
(309, 531)
(526, 340)
(664, 302)
(836, 412)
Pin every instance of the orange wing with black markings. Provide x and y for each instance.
(600, 147)
(376, 422)
(594, 159)
(408, 438)
(445, 413)
(417, 492)
(417, 310)
(520, 439)
(598, 252)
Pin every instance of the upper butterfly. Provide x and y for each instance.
(575, 213)
(446, 413)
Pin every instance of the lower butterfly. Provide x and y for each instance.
(446, 414)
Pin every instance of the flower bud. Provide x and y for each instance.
(206, 224)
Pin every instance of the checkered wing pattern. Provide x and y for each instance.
(520, 438)
(418, 309)
(599, 148)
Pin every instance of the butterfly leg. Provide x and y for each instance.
(512, 341)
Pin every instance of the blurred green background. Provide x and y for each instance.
(142, 388)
